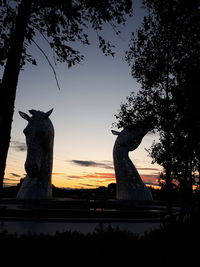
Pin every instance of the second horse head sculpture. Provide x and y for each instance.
(39, 139)
(129, 183)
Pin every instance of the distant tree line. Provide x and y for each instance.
(103, 192)
(164, 55)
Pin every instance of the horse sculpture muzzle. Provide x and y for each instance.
(32, 169)
(34, 158)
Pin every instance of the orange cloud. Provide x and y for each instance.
(95, 179)
(100, 175)
(58, 173)
(150, 179)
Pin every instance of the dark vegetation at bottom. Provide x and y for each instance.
(173, 245)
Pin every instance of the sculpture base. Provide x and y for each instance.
(33, 188)
(141, 193)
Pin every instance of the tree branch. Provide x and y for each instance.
(44, 37)
(54, 72)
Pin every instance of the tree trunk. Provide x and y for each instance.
(10, 80)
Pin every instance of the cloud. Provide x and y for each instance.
(147, 169)
(153, 179)
(58, 173)
(100, 175)
(150, 179)
(14, 174)
(88, 185)
(95, 175)
(74, 177)
(18, 146)
(10, 180)
(90, 163)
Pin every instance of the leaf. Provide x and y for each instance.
(34, 62)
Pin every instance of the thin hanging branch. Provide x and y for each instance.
(54, 72)
(44, 37)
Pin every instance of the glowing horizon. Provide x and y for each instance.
(100, 173)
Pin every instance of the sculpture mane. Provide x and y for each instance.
(39, 139)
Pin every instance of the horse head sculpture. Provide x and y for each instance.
(39, 139)
(129, 183)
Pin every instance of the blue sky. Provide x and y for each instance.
(84, 109)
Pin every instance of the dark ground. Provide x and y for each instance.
(175, 244)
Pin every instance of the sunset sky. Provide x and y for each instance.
(84, 109)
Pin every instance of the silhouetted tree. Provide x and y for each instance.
(165, 58)
(60, 23)
(150, 57)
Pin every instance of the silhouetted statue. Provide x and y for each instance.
(129, 183)
(39, 139)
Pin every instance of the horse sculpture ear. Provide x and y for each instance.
(24, 116)
(115, 132)
(48, 113)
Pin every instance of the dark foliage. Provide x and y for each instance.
(61, 23)
(173, 244)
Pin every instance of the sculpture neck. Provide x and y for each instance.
(120, 154)
(46, 166)
(124, 168)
